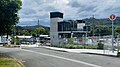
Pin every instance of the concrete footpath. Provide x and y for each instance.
(86, 51)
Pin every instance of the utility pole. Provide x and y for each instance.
(38, 23)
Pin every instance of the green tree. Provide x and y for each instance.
(102, 30)
(40, 30)
(25, 32)
(9, 15)
(17, 40)
(117, 29)
(12, 39)
(33, 33)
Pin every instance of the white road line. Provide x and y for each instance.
(68, 59)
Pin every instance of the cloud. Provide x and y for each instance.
(32, 10)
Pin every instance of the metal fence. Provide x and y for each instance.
(78, 41)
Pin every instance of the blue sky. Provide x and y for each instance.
(32, 10)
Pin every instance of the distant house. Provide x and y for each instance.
(44, 38)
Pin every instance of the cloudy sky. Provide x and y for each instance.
(32, 10)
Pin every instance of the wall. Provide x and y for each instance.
(54, 30)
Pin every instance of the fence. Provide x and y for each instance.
(78, 41)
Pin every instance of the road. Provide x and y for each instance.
(42, 57)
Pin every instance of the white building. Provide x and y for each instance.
(55, 17)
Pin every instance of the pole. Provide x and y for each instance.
(112, 37)
(14, 34)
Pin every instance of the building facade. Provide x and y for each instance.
(55, 17)
(60, 28)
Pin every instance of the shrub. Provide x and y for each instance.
(70, 46)
(70, 41)
(100, 45)
(91, 47)
(4, 44)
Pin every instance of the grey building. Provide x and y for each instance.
(60, 28)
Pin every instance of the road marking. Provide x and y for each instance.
(68, 59)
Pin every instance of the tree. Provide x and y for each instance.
(9, 15)
(117, 29)
(40, 30)
(33, 33)
(102, 30)
(25, 32)
(12, 39)
(17, 40)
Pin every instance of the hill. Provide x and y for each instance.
(31, 27)
(105, 21)
(89, 21)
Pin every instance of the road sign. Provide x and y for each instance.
(112, 17)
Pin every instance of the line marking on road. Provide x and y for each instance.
(68, 59)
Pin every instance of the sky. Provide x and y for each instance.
(34, 10)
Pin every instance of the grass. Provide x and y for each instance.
(9, 62)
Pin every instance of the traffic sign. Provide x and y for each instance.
(112, 17)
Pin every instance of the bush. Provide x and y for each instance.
(100, 45)
(70, 46)
(75, 46)
(91, 47)
(118, 54)
(118, 48)
(4, 44)
(70, 41)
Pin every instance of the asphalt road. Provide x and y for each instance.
(42, 57)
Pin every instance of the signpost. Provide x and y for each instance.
(112, 18)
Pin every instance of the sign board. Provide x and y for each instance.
(112, 17)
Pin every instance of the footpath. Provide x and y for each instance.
(85, 51)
